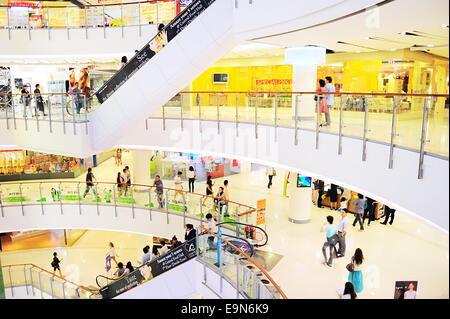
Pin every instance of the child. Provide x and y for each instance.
(108, 196)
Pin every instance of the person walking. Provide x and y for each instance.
(89, 183)
(342, 229)
(333, 196)
(321, 100)
(330, 98)
(26, 101)
(123, 176)
(320, 186)
(39, 100)
(112, 253)
(359, 210)
(191, 177)
(331, 239)
(388, 212)
(209, 189)
(159, 189)
(369, 211)
(270, 172)
(128, 175)
(355, 276)
(55, 263)
(178, 186)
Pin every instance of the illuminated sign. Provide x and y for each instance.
(34, 5)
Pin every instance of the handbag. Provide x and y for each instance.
(274, 173)
(350, 267)
(333, 240)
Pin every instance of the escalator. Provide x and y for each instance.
(111, 287)
(200, 35)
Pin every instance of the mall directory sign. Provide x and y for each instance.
(154, 268)
(150, 49)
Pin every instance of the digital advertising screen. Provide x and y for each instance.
(303, 181)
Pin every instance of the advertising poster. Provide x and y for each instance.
(405, 289)
(303, 181)
(261, 212)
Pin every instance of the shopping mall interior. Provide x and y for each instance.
(185, 149)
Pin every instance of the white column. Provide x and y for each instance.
(140, 168)
(304, 62)
(299, 201)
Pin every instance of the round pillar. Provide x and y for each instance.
(299, 201)
(140, 168)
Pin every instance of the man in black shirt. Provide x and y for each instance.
(55, 263)
(388, 212)
(39, 100)
(320, 187)
(90, 183)
(190, 232)
(26, 101)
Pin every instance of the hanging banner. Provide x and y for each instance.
(108, 263)
(157, 43)
(261, 212)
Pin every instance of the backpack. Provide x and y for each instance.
(333, 240)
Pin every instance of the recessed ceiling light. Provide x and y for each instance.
(367, 38)
(403, 33)
(357, 51)
(393, 49)
(444, 25)
(430, 45)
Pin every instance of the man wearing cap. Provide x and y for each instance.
(344, 223)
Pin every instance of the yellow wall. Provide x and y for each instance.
(361, 76)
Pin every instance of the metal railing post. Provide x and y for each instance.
(139, 19)
(49, 114)
(60, 199)
(85, 113)
(237, 277)
(7, 118)
(184, 208)
(317, 121)
(237, 115)
(73, 113)
(51, 285)
(199, 102)
(25, 276)
(256, 115)
(115, 201)
(26, 119)
(423, 137)
(79, 198)
(37, 118)
(181, 113)
(366, 110)
(167, 206)
(132, 200)
(341, 109)
(218, 115)
(48, 25)
(40, 198)
(14, 116)
(121, 17)
(150, 203)
(31, 279)
(40, 285)
(276, 118)
(1, 203)
(63, 290)
(21, 199)
(64, 119)
(67, 24)
(9, 27)
(29, 26)
(85, 22)
(164, 116)
(104, 22)
(296, 120)
(10, 281)
(157, 12)
(96, 199)
(391, 146)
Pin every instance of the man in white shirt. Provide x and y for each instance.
(269, 172)
(343, 226)
(178, 186)
(211, 226)
(330, 98)
(164, 248)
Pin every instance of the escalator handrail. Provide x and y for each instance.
(138, 60)
(254, 245)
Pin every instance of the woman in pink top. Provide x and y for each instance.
(323, 107)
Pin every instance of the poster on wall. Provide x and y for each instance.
(80, 75)
(261, 212)
(405, 289)
(303, 181)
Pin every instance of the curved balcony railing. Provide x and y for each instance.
(30, 16)
(191, 206)
(33, 278)
(415, 121)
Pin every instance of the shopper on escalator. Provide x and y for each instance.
(190, 232)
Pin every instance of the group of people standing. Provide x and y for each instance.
(25, 99)
(123, 181)
(325, 101)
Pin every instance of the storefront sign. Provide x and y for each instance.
(34, 5)
(171, 30)
(152, 269)
(261, 212)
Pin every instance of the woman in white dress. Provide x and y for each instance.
(112, 253)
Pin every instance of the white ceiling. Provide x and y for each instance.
(379, 29)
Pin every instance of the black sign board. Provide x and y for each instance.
(156, 267)
(172, 29)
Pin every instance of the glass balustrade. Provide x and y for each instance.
(358, 115)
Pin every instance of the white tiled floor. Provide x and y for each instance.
(407, 250)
